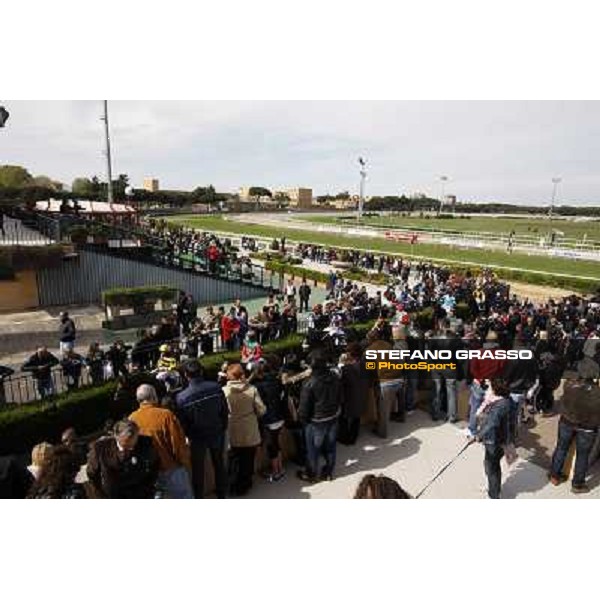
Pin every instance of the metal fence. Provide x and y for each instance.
(83, 278)
(21, 388)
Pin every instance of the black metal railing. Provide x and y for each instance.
(21, 388)
(134, 241)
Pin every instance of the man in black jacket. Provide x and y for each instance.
(124, 465)
(320, 401)
(579, 421)
(40, 366)
(66, 332)
(202, 411)
(520, 375)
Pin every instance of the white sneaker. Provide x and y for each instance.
(466, 432)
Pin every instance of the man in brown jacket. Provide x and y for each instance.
(168, 438)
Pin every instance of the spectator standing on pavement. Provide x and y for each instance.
(304, 293)
(245, 409)
(202, 410)
(579, 422)
(264, 378)
(290, 290)
(40, 366)
(320, 402)
(66, 332)
(495, 433)
(163, 427)
(124, 465)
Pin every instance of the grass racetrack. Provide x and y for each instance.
(533, 225)
(434, 252)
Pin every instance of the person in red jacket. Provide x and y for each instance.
(213, 257)
(482, 371)
(230, 327)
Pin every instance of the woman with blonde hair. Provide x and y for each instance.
(245, 409)
(39, 454)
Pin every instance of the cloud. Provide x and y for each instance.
(504, 151)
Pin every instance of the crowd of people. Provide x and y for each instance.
(320, 395)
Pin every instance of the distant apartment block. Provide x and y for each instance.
(151, 184)
(300, 197)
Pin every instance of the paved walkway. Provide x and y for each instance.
(414, 453)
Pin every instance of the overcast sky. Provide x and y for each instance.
(501, 151)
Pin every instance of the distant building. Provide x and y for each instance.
(300, 197)
(244, 194)
(345, 203)
(150, 184)
(417, 196)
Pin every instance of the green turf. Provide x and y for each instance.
(431, 251)
(533, 226)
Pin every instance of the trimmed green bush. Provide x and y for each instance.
(24, 425)
(310, 274)
(358, 274)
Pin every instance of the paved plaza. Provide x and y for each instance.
(414, 454)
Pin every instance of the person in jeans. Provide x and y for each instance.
(520, 375)
(245, 409)
(481, 371)
(494, 434)
(320, 401)
(202, 410)
(446, 378)
(40, 366)
(167, 435)
(579, 421)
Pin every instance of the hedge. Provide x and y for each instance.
(359, 274)
(24, 425)
(137, 296)
(310, 274)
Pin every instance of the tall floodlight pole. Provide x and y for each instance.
(555, 182)
(108, 159)
(443, 179)
(363, 176)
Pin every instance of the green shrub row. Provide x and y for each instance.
(24, 425)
